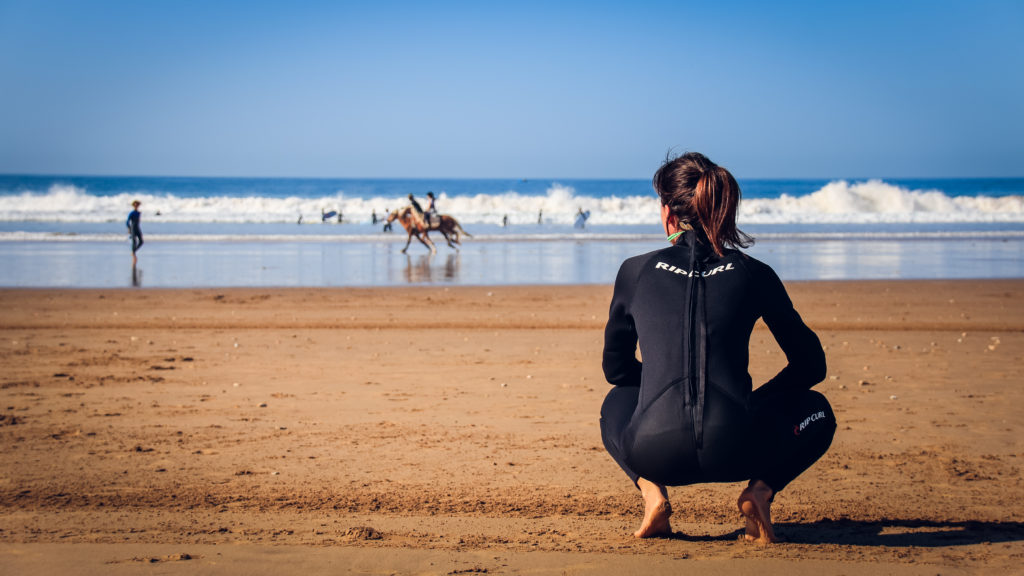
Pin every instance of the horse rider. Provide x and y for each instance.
(431, 208)
(417, 211)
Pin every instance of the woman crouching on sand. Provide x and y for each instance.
(686, 414)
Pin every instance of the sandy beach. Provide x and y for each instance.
(454, 430)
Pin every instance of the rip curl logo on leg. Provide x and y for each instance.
(797, 429)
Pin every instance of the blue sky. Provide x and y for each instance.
(514, 89)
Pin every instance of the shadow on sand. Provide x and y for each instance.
(895, 533)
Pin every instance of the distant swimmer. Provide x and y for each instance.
(504, 221)
(540, 216)
(373, 217)
(581, 218)
(135, 230)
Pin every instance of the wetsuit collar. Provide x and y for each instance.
(698, 241)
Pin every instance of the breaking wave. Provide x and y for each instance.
(840, 201)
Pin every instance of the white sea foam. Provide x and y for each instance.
(873, 201)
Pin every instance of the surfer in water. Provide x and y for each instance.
(135, 230)
(687, 413)
(581, 218)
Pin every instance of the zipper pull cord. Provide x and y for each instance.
(697, 349)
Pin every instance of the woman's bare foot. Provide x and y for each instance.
(755, 505)
(752, 532)
(657, 510)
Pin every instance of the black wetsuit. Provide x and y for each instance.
(135, 230)
(687, 413)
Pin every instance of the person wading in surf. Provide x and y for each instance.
(135, 230)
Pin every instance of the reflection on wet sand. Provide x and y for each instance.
(420, 269)
(337, 264)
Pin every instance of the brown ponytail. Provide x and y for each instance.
(703, 195)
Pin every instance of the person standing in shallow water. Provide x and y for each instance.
(135, 230)
(687, 413)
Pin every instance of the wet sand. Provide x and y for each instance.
(454, 430)
(66, 261)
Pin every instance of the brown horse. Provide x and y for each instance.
(448, 227)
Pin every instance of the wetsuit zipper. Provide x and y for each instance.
(696, 326)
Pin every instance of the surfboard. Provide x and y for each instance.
(582, 218)
(330, 214)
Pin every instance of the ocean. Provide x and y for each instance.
(69, 231)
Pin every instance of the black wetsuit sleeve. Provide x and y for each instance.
(806, 359)
(619, 362)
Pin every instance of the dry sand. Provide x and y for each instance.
(454, 431)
